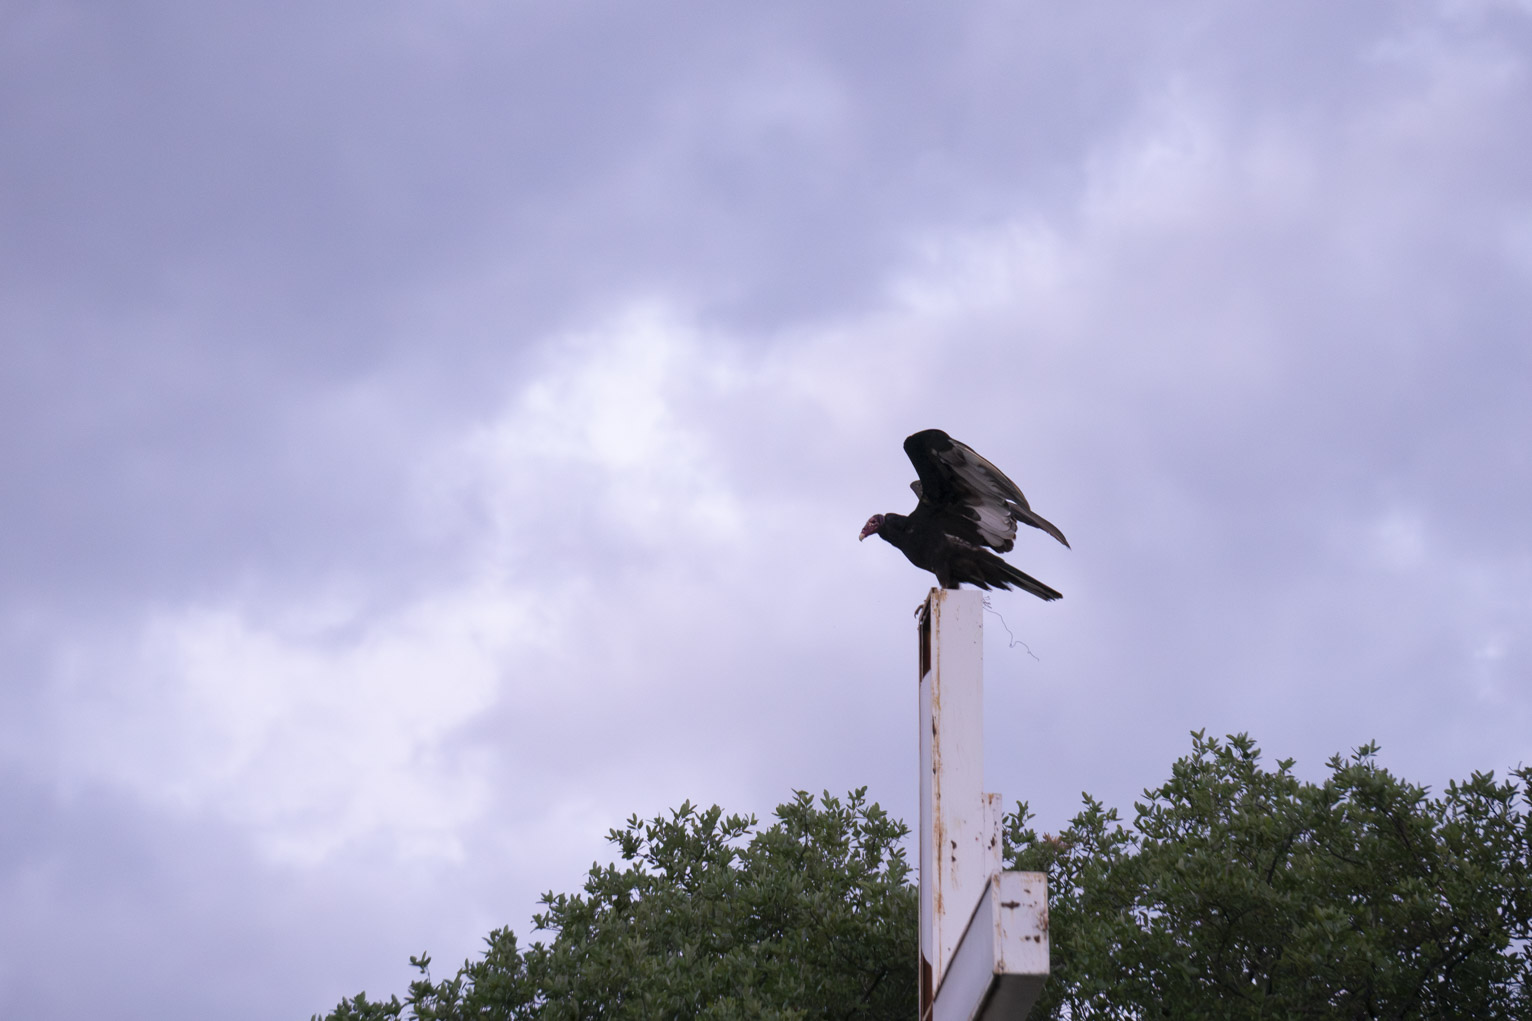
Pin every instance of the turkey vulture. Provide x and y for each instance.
(966, 503)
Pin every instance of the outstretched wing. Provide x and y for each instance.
(966, 490)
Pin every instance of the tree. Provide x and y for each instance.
(708, 918)
(1245, 893)
(1238, 892)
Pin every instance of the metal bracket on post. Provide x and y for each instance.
(983, 932)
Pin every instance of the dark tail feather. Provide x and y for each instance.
(1002, 575)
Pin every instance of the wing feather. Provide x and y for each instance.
(958, 481)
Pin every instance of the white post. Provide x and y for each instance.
(959, 834)
(966, 903)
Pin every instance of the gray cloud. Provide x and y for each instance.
(432, 436)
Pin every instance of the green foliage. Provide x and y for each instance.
(707, 917)
(1239, 892)
(1245, 893)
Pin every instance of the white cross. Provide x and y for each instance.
(983, 932)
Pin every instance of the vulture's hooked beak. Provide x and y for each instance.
(873, 524)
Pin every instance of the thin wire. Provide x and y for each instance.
(1014, 640)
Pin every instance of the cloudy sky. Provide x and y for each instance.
(431, 432)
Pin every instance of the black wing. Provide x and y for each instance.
(972, 496)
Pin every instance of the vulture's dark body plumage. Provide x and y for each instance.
(966, 504)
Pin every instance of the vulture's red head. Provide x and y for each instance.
(871, 528)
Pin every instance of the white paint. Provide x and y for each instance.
(983, 932)
(957, 843)
(1002, 962)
